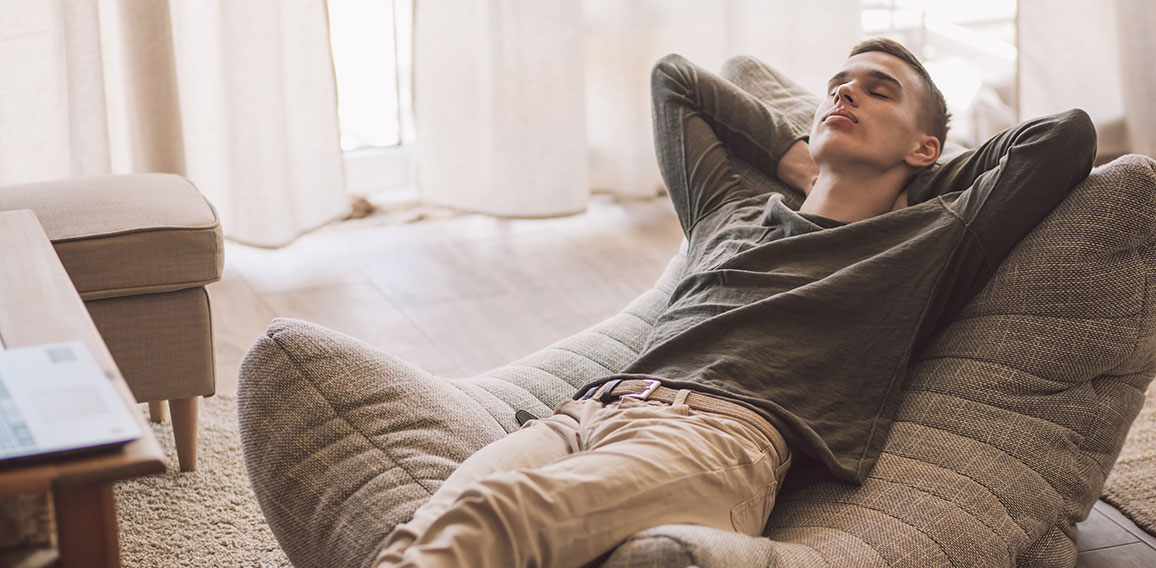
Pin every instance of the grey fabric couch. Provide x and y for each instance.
(1010, 422)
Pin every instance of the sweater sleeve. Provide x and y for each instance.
(700, 120)
(1021, 175)
(1070, 132)
(1009, 185)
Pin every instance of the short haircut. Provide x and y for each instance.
(933, 116)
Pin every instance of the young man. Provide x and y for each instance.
(789, 333)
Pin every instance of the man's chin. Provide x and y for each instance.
(834, 151)
(849, 158)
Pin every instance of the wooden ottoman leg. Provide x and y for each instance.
(158, 411)
(185, 431)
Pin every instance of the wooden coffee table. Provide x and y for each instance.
(38, 304)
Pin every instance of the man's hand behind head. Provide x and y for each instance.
(797, 169)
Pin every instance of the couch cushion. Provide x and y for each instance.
(127, 234)
(343, 441)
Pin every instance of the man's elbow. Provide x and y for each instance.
(670, 72)
(1080, 134)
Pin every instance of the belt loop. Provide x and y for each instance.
(603, 393)
(680, 397)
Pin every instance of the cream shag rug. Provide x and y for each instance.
(210, 517)
(1131, 486)
(207, 517)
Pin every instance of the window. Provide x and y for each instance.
(969, 48)
(370, 41)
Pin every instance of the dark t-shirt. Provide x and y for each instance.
(811, 321)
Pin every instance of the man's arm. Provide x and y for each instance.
(797, 169)
(1011, 183)
(1070, 131)
(699, 120)
(1015, 179)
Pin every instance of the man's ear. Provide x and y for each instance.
(925, 154)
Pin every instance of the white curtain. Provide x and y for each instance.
(523, 106)
(237, 96)
(498, 106)
(1095, 55)
(52, 108)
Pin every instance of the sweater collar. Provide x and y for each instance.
(776, 213)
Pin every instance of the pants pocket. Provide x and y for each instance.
(750, 516)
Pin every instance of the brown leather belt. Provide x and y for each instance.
(652, 389)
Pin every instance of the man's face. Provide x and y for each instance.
(881, 94)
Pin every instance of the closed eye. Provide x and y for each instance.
(880, 95)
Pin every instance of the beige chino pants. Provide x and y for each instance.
(564, 490)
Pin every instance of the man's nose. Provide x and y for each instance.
(843, 92)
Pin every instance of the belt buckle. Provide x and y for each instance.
(653, 384)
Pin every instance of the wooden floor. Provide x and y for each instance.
(460, 294)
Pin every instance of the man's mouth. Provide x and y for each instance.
(838, 111)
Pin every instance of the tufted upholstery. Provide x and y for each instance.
(1010, 420)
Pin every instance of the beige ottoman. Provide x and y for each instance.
(140, 249)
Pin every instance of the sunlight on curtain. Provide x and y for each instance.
(52, 117)
(498, 106)
(237, 96)
(257, 93)
(491, 100)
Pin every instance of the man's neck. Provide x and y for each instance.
(854, 196)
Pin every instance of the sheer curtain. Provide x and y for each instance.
(237, 96)
(52, 101)
(498, 106)
(1094, 55)
(523, 106)
(497, 83)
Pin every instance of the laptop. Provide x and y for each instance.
(55, 399)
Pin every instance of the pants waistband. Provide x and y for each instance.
(652, 389)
